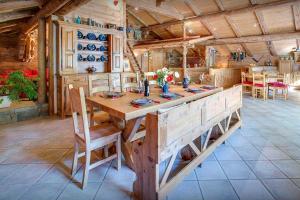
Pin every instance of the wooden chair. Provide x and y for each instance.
(260, 86)
(129, 80)
(209, 80)
(99, 83)
(245, 83)
(91, 138)
(149, 76)
(283, 86)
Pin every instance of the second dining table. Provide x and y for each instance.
(131, 117)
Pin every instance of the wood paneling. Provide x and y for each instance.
(246, 23)
(284, 47)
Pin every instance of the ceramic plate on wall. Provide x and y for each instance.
(79, 35)
(91, 36)
(91, 58)
(91, 47)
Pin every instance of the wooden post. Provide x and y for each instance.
(184, 60)
(42, 60)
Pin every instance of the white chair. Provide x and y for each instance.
(129, 80)
(91, 138)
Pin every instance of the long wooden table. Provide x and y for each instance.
(121, 109)
(168, 132)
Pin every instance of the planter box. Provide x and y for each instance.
(5, 103)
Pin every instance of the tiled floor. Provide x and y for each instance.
(259, 161)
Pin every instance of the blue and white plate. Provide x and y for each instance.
(141, 101)
(79, 57)
(91, 47)
(79, 35)
(103, 58)
(208, 87)
(168, 95)
(79, 47)
(103, 48)
(91, 36)
(91, 58)
(102, 37)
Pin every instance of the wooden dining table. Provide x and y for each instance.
(121, 110)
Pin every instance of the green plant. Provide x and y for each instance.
(17, 84)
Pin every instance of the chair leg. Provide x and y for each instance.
(119, 153)
(86, 168)
(75, 159)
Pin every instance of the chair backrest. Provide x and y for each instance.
(149, 76)
(98, 83)
(79, 114)
(259, 78)
(287, 79)
(129, 80)
(243, 75)
(209, 80)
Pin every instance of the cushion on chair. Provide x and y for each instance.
(247, 83)
(259, 85)
(278, 84)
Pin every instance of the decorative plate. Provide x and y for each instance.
(91, 47)
(141, 101)
(103, 48)
(168, 95)
(91, 36)
(113, 94)
(79, 35)
(208, 87)
(91, 58)
(79, 47)
(103, 58)
(194, 90)
(79, 57)
(102, 37)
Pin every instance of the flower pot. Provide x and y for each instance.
(165, 88)
(5, 102)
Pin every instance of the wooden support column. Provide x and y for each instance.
(184, 60)
(42, 60)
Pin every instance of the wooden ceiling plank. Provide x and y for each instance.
(253, 39)
(162, 9)
(296, 14)
(47, 10)
(18, 5)
(251, 8)
(196, 10)
(15, 15)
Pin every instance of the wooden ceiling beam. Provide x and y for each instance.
(175, 42)
(150, 6)
(253, 39)
(18, 5)
(4, 17)
(220, 4)
(4, 30)
(7, 26)
(70, 6)
(251, 8)
(47, 10)
(196, 10)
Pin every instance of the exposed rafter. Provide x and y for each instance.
(15, 15)
(253, 39)
(228, 12)
(150, 6)
(45, 11)
(5, 30)
(220, 4)
(71, 6)
(171, 43)
(196, 10)
(18, 5)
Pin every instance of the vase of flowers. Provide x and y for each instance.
(163, 77)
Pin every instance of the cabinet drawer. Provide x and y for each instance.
(75, 79)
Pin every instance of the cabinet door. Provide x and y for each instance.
(117, 54)
(68, 51)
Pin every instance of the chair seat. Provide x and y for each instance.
(278, 85)
(259, 85)
(101, 117)
(250, 83)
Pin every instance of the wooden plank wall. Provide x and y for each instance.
(226, 77)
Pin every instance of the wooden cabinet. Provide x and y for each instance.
(80, 80)
(68, 63)
(286, 66)
(116, 54)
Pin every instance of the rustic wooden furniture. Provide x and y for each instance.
(245, 83)
(167, 132)
(285, 66)
(149, 76)
(99, 83)
(91, 138)
(226, 77)
(129, 80)
(279, 85)
(260, 86)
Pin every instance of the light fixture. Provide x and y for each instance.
(136, 8)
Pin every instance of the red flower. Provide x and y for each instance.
(170, 78)
(155, 76)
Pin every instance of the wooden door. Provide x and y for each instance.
(116, 54)
(68, 51)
